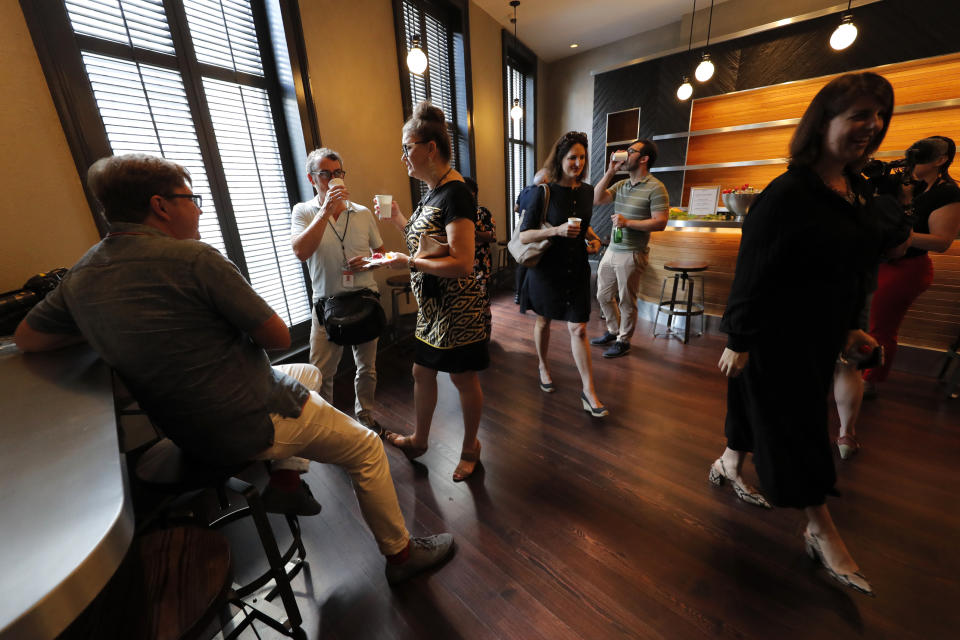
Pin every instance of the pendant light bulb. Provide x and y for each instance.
(517, 111)
(416, 58)
(685, 90)
(844, 35)
(704, 70)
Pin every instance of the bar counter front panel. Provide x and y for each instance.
(932, 322)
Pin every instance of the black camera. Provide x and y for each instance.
(890, 177)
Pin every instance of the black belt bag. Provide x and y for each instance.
(352, 318)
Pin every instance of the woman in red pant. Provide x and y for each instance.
(936, 222)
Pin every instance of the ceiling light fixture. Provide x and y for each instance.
(517, 111)
(685, 90)
(846, 32)
(416, 58)
(574, 45)
(705, 69)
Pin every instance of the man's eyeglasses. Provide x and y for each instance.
(197, 199)
(407, 148)
(632, 151)
(326, 175)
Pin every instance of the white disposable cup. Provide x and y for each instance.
(574, 222)
(335, 182)
(619, 156)
(385, 203)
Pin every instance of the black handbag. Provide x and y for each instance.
(352, 318)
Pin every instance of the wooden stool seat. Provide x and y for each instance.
(689, 267)
(401, 280)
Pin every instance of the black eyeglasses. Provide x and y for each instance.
(326, 175)
(407, 148)
(197, 199)
(630, 151)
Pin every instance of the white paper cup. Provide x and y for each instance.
(385, 203)
(619, 156)
(574, 222)
(335, 182)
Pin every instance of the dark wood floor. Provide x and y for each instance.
(586, 528)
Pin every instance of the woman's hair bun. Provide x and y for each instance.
(427, 112)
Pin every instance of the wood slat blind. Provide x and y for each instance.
(146, 108)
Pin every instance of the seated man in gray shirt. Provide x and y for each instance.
(187, 334)
(325, 233)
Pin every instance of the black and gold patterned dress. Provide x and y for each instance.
(451, 334)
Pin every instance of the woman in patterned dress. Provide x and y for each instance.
(450, 333)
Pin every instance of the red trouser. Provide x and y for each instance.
(898, 285)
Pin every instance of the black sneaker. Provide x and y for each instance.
(424, 553)
(606, 338)
(371, 423)
(292, 503)
(617, 349)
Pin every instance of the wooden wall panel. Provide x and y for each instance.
(913, 82)
(758, 176)
(933, 321)
(766, 144)
(719, 250)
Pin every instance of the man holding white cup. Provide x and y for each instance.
(325, 233)
(640, 205)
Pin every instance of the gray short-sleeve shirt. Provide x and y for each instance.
(173, 318)
(358, 228)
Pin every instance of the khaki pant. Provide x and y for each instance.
(325, 355)
(619, 277)
(324, 434)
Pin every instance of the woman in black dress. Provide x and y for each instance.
(451, 333)
(558, 287)
(805, 258)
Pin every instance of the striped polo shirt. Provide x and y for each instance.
(637, 202)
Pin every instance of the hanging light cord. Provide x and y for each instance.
(692, 14)
(710, 22)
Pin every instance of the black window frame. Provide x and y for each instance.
(518, 56)
(59, 51)
(454, 14)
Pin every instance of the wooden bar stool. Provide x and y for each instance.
(165, 468)
(684, 281)
(400, 286)
(503, 263)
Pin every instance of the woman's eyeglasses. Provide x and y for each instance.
(407, 148)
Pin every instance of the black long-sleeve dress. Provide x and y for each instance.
(804, 263)
(559, 286)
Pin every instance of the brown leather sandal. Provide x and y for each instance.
(405, 444)
(460, 474)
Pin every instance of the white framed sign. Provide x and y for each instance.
(703, 200)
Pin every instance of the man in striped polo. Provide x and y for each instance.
(640, 205)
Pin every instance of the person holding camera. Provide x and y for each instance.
(934, 209)
(803, 269)
(325, 233)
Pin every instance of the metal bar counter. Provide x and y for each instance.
(65, 514)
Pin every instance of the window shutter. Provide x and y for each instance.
(224, 34)
(139, 23)
(144, 110)
(247, 141)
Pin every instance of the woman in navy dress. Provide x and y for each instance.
(558, 287)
